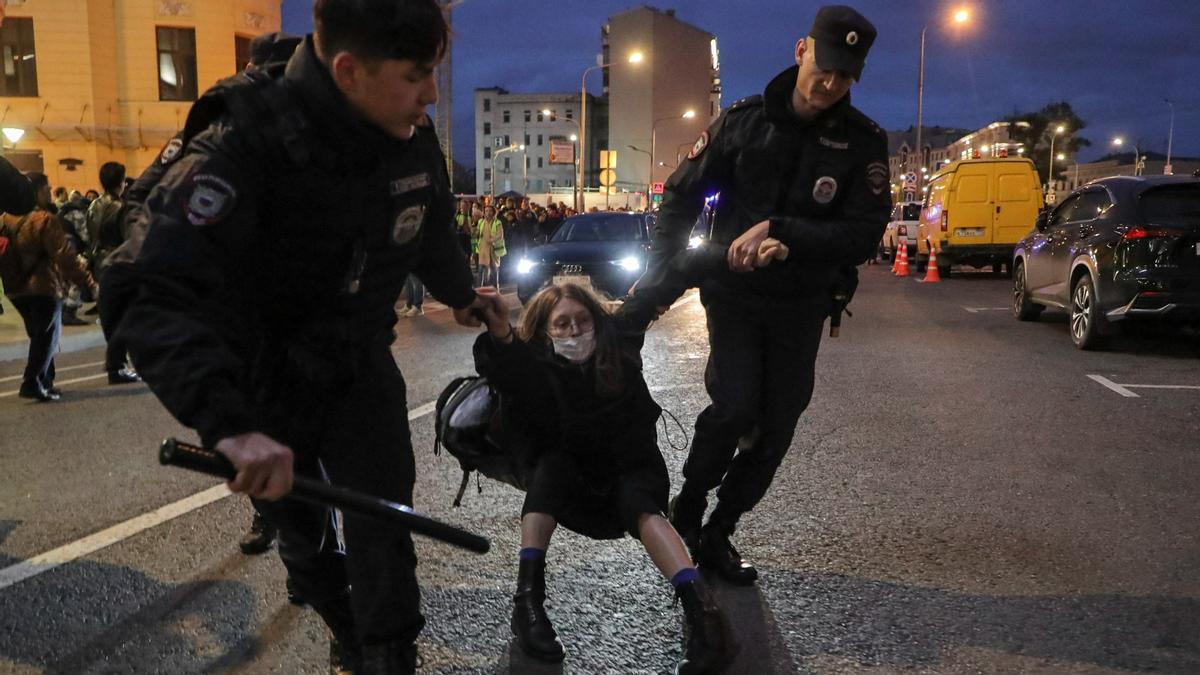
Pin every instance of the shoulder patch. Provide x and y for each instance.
(877, 177)
(170, 153)
(209, 199)
(700, 146)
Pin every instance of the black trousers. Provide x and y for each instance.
(600, 507)
(42, 315)
(760, 379)
(364, 445)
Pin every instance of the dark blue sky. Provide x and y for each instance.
(1113, 61)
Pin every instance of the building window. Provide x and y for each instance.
(539, 139)
(539, 162)
(20, 63)
(487, 128)
(506, 159)
(526, 139)
(487, 174)
(507, 140)
(176, 64)
(527, 116)
(507, 116)
(487, 152)
(241, 52)
(487, 105)
(570, 114)
(540, 116)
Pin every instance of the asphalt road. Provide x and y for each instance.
(965, 494)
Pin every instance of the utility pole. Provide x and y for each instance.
(444, 112)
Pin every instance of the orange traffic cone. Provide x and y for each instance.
(895, 258)
(932, 276)
(902, 264)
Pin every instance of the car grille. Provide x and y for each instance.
(571, 269)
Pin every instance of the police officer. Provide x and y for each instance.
(276, 246)
(16, 193)
(800, 165)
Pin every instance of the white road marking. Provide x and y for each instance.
(12, 378)
(1163, 386)
(976, 310)
(15, 574)
(1113, 386)
(74, 381)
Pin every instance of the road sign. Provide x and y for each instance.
(562, 151)
(608, 177)
(656, 188)
(910, 180)
(608, 159)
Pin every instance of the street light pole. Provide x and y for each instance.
(920, 109)
(579, 133)
(1050, 171)
(512, 148)
(635, 57)
(654, 141)
(1170, 136)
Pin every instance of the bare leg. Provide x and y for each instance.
(662, 542)
(536, 530)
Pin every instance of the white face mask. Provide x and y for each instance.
(575, 349)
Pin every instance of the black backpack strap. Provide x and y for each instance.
(442, 400)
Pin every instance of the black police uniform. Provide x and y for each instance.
(16, 192)
(275, 251)
(823, 184)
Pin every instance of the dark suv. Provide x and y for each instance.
(605, 250)
(1115, 249)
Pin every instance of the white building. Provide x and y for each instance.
(503, 119)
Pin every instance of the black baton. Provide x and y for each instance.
(174, 452)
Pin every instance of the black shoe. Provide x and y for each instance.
(685, 513)
(42, 395)
(717, 554)
(389, 658)
(260, 536)
(530, 623)
(345, 656)
(123, 376)
(293, 595)
(708, 646)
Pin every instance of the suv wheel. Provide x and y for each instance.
(1023, 308)
(1086, 321)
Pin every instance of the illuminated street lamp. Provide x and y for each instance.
(653, 142)
(1050, 172)
(635, 58)
(960, 17)
(13, 134)
(1137, 155)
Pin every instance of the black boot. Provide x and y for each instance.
(708, 647)
(259, 538)
(718, 554)
(685, 513)
(389, 658)
(530, 624)
(345, 654)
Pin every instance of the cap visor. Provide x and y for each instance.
(831, 56)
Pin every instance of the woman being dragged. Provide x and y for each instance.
(573, 381)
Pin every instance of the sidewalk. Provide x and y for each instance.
(14, 346)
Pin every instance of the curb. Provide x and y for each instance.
(75, 342)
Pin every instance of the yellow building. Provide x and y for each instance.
(92, 81)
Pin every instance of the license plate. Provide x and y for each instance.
(577, 279)
(1198, 248)
(969, 231)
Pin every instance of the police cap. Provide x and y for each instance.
(843, 37)
(271, 48)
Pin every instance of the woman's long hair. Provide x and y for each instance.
(534, 329)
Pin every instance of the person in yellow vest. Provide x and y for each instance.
(490, 234)
(463, 224)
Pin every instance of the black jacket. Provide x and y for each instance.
(823, 184)
(16, 192)
(276, 245)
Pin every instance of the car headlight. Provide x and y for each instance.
(630, 263)
(695, 242)
(524, 266)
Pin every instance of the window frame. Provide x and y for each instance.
(184, 90)
(26, 78)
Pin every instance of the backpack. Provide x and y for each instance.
(470, 425)
(13, 274)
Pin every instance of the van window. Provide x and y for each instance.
(973, 189)
(911, 212)
(1012, 187)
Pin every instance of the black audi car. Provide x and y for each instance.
(1116, 249)
(606, 251)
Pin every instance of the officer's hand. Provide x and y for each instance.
(659, 310)
(264, 467)
(744, 250)
(467, 316)
(770, 250)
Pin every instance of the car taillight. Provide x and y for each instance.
(945, 221)
(1139, 232)
(903, 230)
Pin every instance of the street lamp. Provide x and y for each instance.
(635, 57)
(960, 17)
(650, 154)
(653, 141)
(512, 148)
(554, 118)
(1050, 171)
(13, 134)
(1170, 137)
(1137, 155)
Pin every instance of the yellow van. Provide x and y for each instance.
(977, 209)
